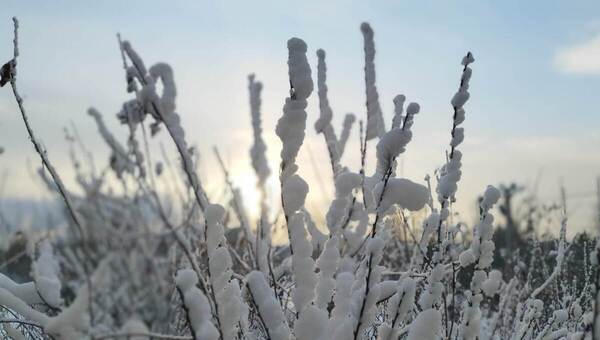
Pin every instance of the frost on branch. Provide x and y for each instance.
(312, 324)
(226, 291)
(259, 148)
(366, 291)
(139, 66)
(328, 265)
(375, 124)
(119, 159)
(294, 193)
(303, 265)
(400, 304)
(392, 144)
(268, 308)
(162, 108)
(481, 252)
(196, 305)
(45, 275)
(326, 113)
(402, 192)
(74, 321)
(349, 120)
(13, 333)
(426, 325)
(450, 173)
(262, 170)
(135, 326)
(290, 127)
(350, 283)
(398, 111)
(338, 213)
(323, 124)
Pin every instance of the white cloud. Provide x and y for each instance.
(582, 58)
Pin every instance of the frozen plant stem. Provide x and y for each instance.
(36, 144)
(186, 161)
(237, 206)
(46, 162)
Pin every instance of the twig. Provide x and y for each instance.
(46, 162)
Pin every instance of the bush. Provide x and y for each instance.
(126, 269)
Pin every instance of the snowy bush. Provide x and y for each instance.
(375, 268)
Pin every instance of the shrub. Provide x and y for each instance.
(127, 270)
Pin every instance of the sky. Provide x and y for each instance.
(532, 117)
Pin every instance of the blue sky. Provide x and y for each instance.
(534, 94)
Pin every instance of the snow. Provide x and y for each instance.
(135, 58)
(290, 127)
(196, 305)
(366, 289)
(432, 294)
(164, 72)
(459, 136)
(258, 156)
(324, 285)
(426, 325)
(560, 315)
(119, 156)
(340, 325)
(346, 182)
(400, 304)
(490, 197)
(259, 148)
(317, 238)
(220, 264)
(11, 301)
(229, 301)
(295, 190)
(45, 275)
(482, 247)
(12, 332)
(303, 265)
(402, 192)
(430, 226)
(391, 145)
(349, 120)
(493, 282)
(268, 307)
(299, 69)
(460, 116)
(131, 113)
(375, 124)
(460, 98)
(413, 109)
(471, 318)
(449, 176)
(135, 326)
(215, 235)
(24, 291)
(227, 293)
(326, 113)
(323, 124)
(468, 59)
(312, 324)
(73, 321)
(327, 264)
(398, 110)
(406, 297)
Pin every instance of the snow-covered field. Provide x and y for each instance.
(389, 260)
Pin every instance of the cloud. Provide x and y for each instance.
(582, 58)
